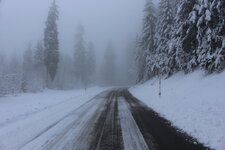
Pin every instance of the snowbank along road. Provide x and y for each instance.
(112, 120)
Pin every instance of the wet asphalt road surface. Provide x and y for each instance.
(115, 120)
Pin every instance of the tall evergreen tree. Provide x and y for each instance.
(211, 31)
(130, 62)
(91, 61)
(51, 42)
(39, 64)
(196, 39)
(185, 42)
(219, 61)
(164, 28)
(39, 56)
(80, 60)
(147, 44)
(205, 33)
(140, 59)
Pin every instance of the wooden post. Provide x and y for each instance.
(160, 86)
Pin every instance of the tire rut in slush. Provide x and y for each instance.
(107, 134)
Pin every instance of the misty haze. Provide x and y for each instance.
(112, 74)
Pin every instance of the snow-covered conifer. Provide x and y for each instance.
(163, 36)
(147, 43)
(80, 60)
(51, 42)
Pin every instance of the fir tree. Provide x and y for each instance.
(39, 56)
(213, 57)
(209, 52)
(39, 64)
(140, 59)
(147, 48)
(130, 62)
(164, 28)
(91, 61)
(51, 42)
(185, 42)
(195, 37)
(80, 62)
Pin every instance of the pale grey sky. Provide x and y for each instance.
(22, 21)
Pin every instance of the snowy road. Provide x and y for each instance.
(112, 120)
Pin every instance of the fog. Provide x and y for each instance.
(23, 26)
(23, 21)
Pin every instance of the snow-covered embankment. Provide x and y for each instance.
(194, 103)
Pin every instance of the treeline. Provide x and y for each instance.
(182, 35)
(44, 66)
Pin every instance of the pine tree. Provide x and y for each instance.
(196, 38)
(149, 27)
(91, 61)
(164, 28)
(212, 48)
(218, 8)
(185, 42)
(39, 64)
(39, 56)
(140, 59)
(147, 44)
(130, 62)
(219, 62)
(51, 42)
(80, 62)
(204, 33)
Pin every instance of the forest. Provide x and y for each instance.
(112, 74)
(186, 38)
(177, 35)
(43, 65)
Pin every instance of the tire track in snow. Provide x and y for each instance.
(113, 120)
(28, 114)
(56, 133)
(107, 132)
(132, 137)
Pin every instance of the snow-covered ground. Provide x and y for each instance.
(194, 103)
(26, 116)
